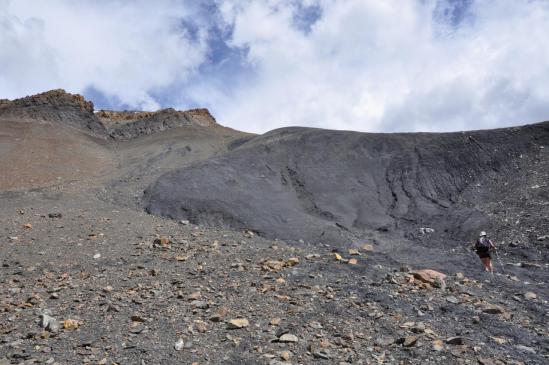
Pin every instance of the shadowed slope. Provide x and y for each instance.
(321, 185)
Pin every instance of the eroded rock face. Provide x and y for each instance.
(55, 106)
(74, 110)
(127, 125)
(325, 186)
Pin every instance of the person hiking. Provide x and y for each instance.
(483, 246)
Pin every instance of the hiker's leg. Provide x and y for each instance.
(485, 263)
(490, 266)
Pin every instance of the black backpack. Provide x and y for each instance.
(483, 244)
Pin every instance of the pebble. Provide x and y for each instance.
(527, 349)
(237, 323)
(530, 296)
(179, 345)
(455, 340)
(287, 337)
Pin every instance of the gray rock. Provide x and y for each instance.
(49, 323)
(287, 337)
(526, 349)
(179, 345)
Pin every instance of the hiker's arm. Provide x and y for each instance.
(493, 246)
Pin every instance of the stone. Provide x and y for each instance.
(352, 261)
(97, 256)
(485, 361)
(286, 355)
(322, 354)
(530, 296)
(499, 340)
(409, 341)
(428, 276)
(200, 304)
(526, 349)
(219, 314)
(368, 247)
(493, 309)
(49, 323)
(385, 341)
(162, 241)
(55, 215)
(70, 324)
(184, 222)
(237, 323)
(287, 337)
(179, 345)
(455, 340)
(437, 345)
(452, 299)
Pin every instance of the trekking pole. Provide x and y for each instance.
(500, 263)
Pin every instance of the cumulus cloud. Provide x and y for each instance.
(122, 49)
(392, 65)
(369, 65)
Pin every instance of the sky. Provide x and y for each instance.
(257, 65)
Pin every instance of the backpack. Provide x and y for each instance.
(483, 244)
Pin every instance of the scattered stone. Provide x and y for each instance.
(200, 304)
(179, 345)
(499, 340)
(368, 247)
(287, 337)
(70, 324)
(162, 241)
(97, 256)
(530, 296)
(237, 323)
(493, 309)
(184, 222)
(526, 349)
(27, 226)
(428, 276)
(408, 341)
(49, 323)
(543, 238)
(426, 230)
(385, 341)
(219, 314)
(485, 361)
(452, 299)
(353, 261)
(286, 355)
(55, 215)
(438, 345)
(455, 340)
(322, 354)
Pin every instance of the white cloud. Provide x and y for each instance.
(389, 65)
(121, 48)
(365, 65)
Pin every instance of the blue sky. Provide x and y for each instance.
(367, 65)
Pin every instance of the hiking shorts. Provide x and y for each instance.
(484, 254)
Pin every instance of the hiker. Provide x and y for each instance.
(483, 246)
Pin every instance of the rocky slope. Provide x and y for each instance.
(328, 186)
(89, 277)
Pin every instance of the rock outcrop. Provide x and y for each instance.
(58, 106)
(55, 106)
(127, 125)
